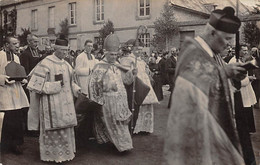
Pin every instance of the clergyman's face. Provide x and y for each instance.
(88, 47)
(33, 43)
(61, 51)
(221, 41)
(111, 56)
(13, 45)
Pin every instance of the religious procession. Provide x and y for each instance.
(124, 97)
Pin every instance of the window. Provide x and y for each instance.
(145, 38)
(34, 20)
(51, 17)
(72, 13)
(99, 10)
(144, 8)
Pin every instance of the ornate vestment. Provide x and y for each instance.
(53, 109)
(201, 124)
(145, 120)
(107, 88)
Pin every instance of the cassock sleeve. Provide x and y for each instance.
(80, 68)
(51, 87)
(2, 79)
(128, 77)
(245, 81)
(39, 81)
(74, 84)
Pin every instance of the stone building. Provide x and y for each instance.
(86, 17)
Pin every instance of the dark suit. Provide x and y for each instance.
(170, 69)
(28, 60)
(162, 68)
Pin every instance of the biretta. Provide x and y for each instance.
(112, 43)
(61, 41)
(225, 20)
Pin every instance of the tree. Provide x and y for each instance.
(23, 37)
(64, 28)
(165, 26)
(107, 29)
(251, 33)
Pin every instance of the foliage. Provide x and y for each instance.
(158, 42)
(9, 24)
(64, 28)
(107, 29)
(23, 37)
(165, 26)
(251, 33)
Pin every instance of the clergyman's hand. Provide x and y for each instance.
(9, 81)
(235, 71)
(24, 81)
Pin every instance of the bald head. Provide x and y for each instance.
(216, 39)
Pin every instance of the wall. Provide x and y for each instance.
(123, 13)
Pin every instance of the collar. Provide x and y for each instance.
(55, 58)
(205, 46)
(89, 55)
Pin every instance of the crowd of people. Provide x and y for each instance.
(213, 93)
(44, 99)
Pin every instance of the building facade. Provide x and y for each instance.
(87, 17)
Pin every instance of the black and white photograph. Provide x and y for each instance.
(130, 82)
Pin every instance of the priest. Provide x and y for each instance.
(52, 108)
(201, 128)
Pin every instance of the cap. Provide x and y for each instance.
(225, 20)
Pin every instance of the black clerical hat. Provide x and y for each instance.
(61, 41)
(225, 20)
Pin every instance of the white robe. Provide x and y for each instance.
(83, 69)
(12, 96)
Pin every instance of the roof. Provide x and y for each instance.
(4, 3)
(201, 5)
